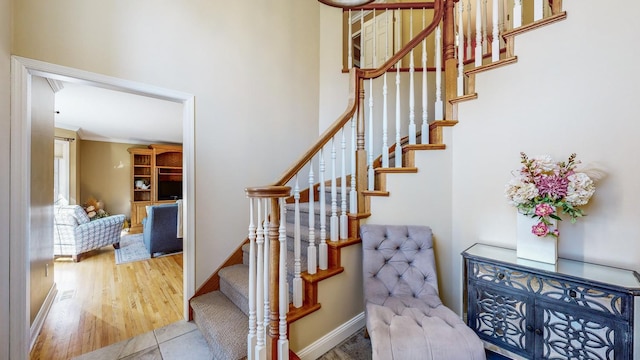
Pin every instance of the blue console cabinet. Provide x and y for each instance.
(568, 310)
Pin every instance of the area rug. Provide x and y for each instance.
(131, 249)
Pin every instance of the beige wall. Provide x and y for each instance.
(5, 52)
(551, 103)
(252, 66)
(105, 174)
(74, 160)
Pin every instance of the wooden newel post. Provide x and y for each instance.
(271, 325)
(274, 275)
(361, 153)
(450, 66)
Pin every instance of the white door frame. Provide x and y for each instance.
(22, 69)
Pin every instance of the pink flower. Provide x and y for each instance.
(555, 233)
(544, 209)
(540, 229)
(553, 186)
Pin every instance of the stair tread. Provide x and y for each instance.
(223, 325)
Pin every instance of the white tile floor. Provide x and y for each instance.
(177, 341)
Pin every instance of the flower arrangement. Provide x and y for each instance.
(542, 186)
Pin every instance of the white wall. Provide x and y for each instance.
(573, 89)
(252, 67)
(5, 53)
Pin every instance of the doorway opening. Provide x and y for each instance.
(23, 332)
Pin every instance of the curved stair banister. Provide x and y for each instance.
(270, 199)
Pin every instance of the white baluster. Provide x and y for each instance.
(322, 247)
(260, 352)
(297, 266)
(495, 42)
(478, 54)
(370, 173)
(353, 195)
(251, 337)
(460, 78)
(485, 18)
(283, 291)
(504, 21)
(438, 54)
(333, 220)
(362, 64)
(412, 90)
(398, 151)
(350, 51)
(468, 45)
(267, 266)
(385, 120)
(343, 190)
(375, 40)
(311, 249)
(538, 10)
(424, 130)
(517, 14)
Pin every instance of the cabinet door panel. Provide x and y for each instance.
(572, 333)
(500, 317)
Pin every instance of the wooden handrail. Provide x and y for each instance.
(355, 76)
(328, 134)
(437, 18)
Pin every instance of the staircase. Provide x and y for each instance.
(222, 308)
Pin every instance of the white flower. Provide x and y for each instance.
(580, 189)
(519, 192)
(545, 164)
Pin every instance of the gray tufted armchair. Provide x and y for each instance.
(405, 317)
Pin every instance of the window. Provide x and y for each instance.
(61, 172)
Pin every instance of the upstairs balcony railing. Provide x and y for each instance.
(408, 64)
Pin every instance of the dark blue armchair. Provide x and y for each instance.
(160, 229)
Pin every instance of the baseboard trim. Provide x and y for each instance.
(38, 322)
(332, 339)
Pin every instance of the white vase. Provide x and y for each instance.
(533, 247)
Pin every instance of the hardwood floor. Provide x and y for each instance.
(100, 303)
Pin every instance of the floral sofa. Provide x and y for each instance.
(75, 233)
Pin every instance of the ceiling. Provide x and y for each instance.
(106, 115)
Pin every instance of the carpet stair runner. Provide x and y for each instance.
(223, 316)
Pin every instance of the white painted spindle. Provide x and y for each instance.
(439, 104)
(266, 272)
(412, 90)
(538, 9)
(385, 120)
(362, 64)
(468, 42)
(353, 195)
(297, 265)
(350, 51)
(283, 290)
(322, 247)
(424, 130)
(495, 41)
(260, 351)
(333, 220)
(478, 54)
(311, 249)
(460, 78)
(517, 13)
(251, 336)
(370, 172)
(398, 150)
(485, 19)
(343, 189)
